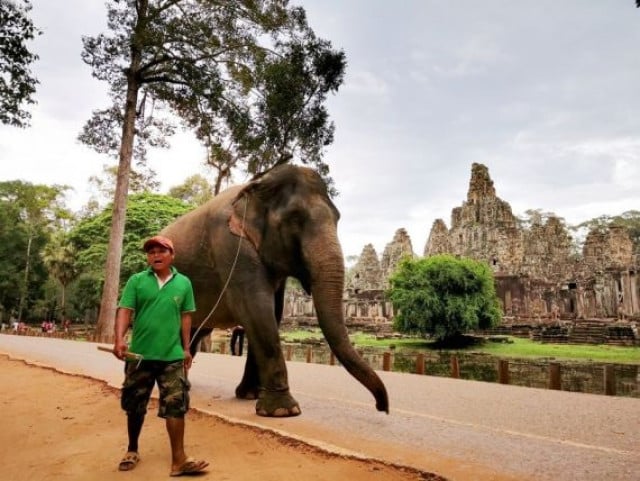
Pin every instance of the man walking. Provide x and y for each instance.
(157, 303)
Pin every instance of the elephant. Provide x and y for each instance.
(240, 247)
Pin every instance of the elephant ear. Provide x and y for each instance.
(246, 220)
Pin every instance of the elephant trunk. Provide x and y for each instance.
(326, 266)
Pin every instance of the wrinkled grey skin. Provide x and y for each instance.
(280, 224)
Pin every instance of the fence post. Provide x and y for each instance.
(455, 367)
(289, 352)
(309, 354)
(503, 371)
(420, 364)
(609, 380)
(386, 361)
(332, 359)
(555, 376)
(223, 347)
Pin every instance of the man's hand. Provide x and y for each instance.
(120, 349)
(188, 359)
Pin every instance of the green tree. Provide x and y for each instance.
(280, 116)
(194, 56)
(17, 83)
(13, 241)
(443, 296)
(59, 257)
(195, 190)
(32, 212)
(143, 180)
(147, 214)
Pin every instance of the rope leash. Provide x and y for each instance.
(226, 284)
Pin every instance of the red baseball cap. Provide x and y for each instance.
(158, 240)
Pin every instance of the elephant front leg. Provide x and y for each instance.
(274, 398)
(277, 403)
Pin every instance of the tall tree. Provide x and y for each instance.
(202, 59)
(17, 83)
(59, 257)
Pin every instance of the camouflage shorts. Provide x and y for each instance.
(173, 387)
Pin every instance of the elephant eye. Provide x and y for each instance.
(296, 216)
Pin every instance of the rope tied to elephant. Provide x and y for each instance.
(226, 284)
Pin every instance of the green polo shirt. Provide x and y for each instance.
(157, 317)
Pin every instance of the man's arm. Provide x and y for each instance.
(123, 321)
(185, 331)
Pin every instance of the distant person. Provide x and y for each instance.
(237, 337)
(157, 303)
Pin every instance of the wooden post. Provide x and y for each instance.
(420, 364)
(503, 371)
(223, 347)
(386, 361)
(555, 376)
(455, 367)
(289, 352)
(609, 380)
(332, 359)
(309, 354)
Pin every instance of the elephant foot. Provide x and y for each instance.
(277, 404)
(245, 392)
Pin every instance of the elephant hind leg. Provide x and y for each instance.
(250, 384)
(277, 403)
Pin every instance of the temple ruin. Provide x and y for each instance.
(539, 273)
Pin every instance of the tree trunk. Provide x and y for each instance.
(108, 303)
(25, 286)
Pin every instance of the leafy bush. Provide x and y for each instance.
(443, 296)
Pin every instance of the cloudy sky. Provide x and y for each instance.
(544, 93)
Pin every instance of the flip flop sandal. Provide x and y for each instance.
(190, 466)
(129, 461)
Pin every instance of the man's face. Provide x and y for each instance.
(159, 258)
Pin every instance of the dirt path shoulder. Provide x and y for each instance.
(63, 427)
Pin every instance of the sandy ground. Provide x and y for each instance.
(63, 427)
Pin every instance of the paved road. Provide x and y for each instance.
(463, 430)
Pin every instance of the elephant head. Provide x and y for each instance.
(289, 219)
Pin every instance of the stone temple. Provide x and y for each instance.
(538, 273)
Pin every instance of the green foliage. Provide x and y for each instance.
(28, 215)
(250, 78)
(142, 180)
(147, 214)
(17, 83)
(443, 296)
(195, 190)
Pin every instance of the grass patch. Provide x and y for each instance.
(516, 348)
(580, 352)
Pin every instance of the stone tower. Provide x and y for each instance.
(483, 228)
(366, 275)
(395, 250)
